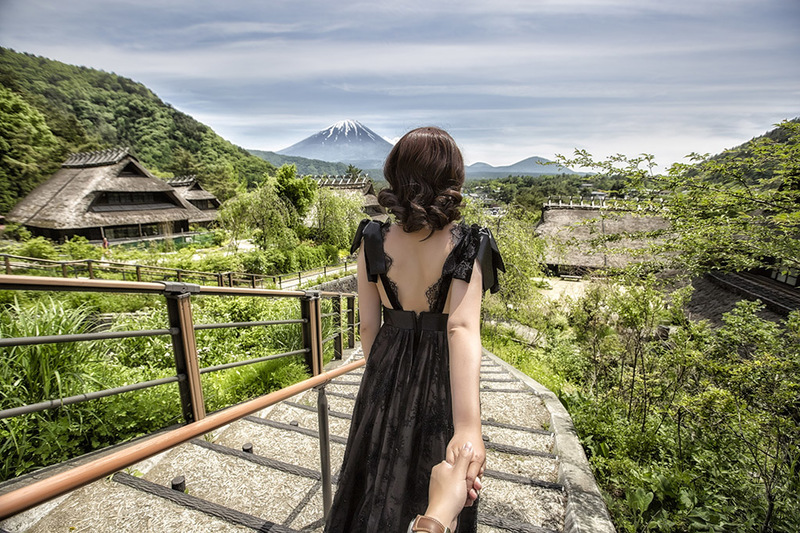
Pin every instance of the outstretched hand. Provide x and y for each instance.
(447, 493)
(477, 463)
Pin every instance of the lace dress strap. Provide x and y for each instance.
(372, 232)
(479, 244)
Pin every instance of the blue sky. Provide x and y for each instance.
(508, 78)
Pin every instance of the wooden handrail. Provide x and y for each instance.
(41, 491)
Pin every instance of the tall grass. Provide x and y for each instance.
(36, 373)
(31, 374)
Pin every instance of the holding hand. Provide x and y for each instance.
(447, 493)
(477, 463)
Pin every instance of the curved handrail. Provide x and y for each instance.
(41, 491)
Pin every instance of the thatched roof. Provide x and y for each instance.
(190, 189)
(95, 189)
(568, 231)
(360, 183)
(350, 184)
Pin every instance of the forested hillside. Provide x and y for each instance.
(49, 109)
(304, 166)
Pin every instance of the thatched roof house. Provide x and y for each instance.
(571, 228)
(103, 194)
(206, 204)
(355, 185)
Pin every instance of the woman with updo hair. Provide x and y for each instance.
(421, 277)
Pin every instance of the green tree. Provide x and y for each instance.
(353, 171)
(26, 146)
(299, 192)
(336, 217)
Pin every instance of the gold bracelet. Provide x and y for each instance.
(428, 525)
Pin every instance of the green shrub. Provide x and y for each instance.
(257, 262)
(39, 248)
(695, 432)
(218, 262)
(17, 232)
(79, 248)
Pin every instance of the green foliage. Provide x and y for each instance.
(695, 431)
(16, 231)
(298, 192)
(27, 148)
(73, 108)
(531, 192)
(732, 212)
(79, 248)
(522, 251)
(36, 373)
(41, 372)
(305, 167)
(38, 247)
(32, 374)
(336, 217)
(270, 218)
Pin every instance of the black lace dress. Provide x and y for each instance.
(402, 419)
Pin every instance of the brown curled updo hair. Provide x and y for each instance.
(425, 171)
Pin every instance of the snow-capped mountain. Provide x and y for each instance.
(347, 141)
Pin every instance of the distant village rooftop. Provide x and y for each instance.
(354, 184)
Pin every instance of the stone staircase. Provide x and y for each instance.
(262, 472)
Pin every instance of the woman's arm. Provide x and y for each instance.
(369, 306)
(464, 337)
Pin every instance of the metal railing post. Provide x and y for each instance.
(184, 346)
(337, 342)
(312, 331)
(351, 321)
(324, 450)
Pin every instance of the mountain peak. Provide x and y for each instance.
(347, 141)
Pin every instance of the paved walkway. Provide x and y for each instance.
(537, 478)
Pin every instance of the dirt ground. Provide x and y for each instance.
(562, 288)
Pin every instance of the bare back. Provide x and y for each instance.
(415, 265)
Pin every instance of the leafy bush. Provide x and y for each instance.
(39, 248)
(697, 431)
(16, 231)
(218, 262)
(79, 248)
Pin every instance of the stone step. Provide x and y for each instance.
(109, 506)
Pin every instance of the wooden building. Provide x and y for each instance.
(361, 185)
(572, 226)
(206, 204)
(107, 193)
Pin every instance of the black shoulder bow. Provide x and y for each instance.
(490, 260)
(370, 232)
